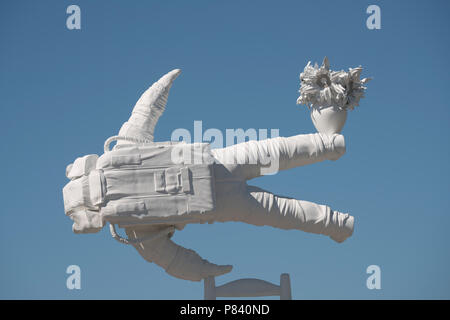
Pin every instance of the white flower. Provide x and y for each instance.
(321, 87)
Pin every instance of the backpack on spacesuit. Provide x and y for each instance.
(146, 183)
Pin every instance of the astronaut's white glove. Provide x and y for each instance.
(335, 144)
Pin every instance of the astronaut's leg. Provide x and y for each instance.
(260, 207)
(287, 213)
(255, 158)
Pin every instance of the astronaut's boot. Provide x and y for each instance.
(345, 227)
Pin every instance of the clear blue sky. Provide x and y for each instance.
(63, 92)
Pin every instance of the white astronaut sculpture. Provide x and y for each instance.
(151, 188)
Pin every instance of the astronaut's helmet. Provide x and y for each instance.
(84, 194)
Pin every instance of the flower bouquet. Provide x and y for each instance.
(329, 94)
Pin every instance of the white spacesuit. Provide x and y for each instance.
(140, 186)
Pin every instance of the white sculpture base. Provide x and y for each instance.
(248, 288)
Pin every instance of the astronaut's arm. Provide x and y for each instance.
(176, 260)
(255, 158)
